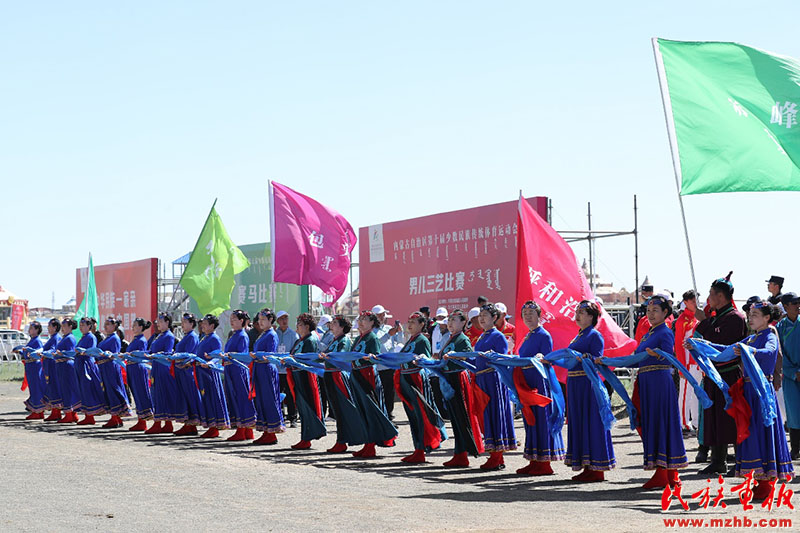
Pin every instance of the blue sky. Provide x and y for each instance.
(122, 122)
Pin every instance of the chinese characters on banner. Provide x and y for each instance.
(443, 260)
(124, 290)
(17, 315)
(548, 273)
(254, 288)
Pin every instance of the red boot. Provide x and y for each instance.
(495, 462)
(762, 490)
(167, 428)
(542, 468)
(389, 443)
(528, 469)
(367, 452)
(595, 475)
(113, 422)
(248, 433)
(238, 436)
(141, 425)
(302, 445)
(267, 438)
(55, 416)
(459, 460)
(415, 458)
(88, 420)
(187, 429)
(35, 416)
(583, 476)
(69, 418)
(210, 433)
(672, 477)
(154, 429)
(339, 447)
(658, 481)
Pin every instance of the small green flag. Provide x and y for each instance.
(215, 260)
(88, 307)
(732, 116)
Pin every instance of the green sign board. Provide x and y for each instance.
(254, 288)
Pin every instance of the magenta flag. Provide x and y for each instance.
(548, 273)
(311, 243)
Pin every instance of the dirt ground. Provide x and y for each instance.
(68, 478)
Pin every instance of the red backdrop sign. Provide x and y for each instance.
(17, 315)
(444, 260)
(125, 290)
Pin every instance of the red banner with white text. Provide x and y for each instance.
(124, 290)
(442, 260)
(548, 273)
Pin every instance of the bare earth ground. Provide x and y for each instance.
(57, 478)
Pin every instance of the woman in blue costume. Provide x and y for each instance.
(414, 388)
(185, 376)
(93, 399)
(789, 335)
(498, 416)
(764, 451)
(461, 406)
(34, 377)
(659, 413)
(111, 374)
(541, 446)
(168, 403)
(589, 444)
(237, 380)
(350, 428)
(52, 393)
(305, 386)
(212, 391)
(266, 382)
(367, 388)
(139, 376)
(65, 371)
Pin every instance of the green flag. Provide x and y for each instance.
(215, 260)
(731, 115)
(88, 307)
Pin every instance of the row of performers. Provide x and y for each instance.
(480, 385)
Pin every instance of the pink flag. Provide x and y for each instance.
(311, 243)
(548, 273)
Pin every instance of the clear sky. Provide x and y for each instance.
(121, 122)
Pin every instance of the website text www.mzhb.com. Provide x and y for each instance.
(732, 522)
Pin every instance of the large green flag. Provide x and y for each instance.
(732, 116)
(215, 260)
(88, 307)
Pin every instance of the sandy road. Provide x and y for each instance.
(57, 478)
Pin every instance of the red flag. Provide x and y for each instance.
(311, 243)
(548, 273)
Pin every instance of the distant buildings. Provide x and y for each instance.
(605, 291)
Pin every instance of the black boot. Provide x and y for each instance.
(718, 465)
(794, 440)
(702, 454)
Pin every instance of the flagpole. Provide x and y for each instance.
(174, 292)
(673, 146)
(271, 195)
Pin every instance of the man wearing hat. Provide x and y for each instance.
(324, 333)
(789, 335)
(775, 286)
(391, 340)
(720, 323)
(504, 326)
(474, 331)
(440, 334)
